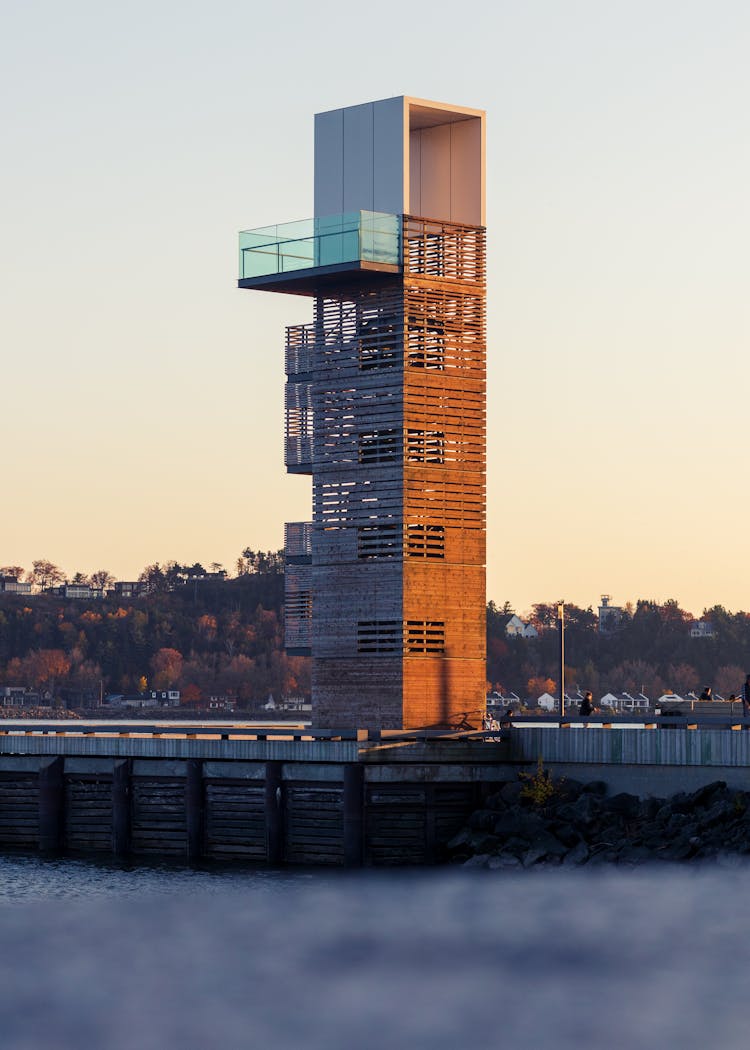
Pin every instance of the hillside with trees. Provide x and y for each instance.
(651, 651)
(202, 633)
(210, 634)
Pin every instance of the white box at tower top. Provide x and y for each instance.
(402, 156)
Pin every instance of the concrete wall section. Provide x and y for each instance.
(388, 160)
(446, 171)
(359, 159)
(467, 172)
(676, 747)
(651, 781)
(329, 163)
(163, 748)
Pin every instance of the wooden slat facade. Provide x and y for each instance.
(395, 375)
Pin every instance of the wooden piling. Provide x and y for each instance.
(274, 809)
(121, 808)
(194, 808)
(51, 808)
(354, 824)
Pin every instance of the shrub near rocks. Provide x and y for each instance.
(576, 823)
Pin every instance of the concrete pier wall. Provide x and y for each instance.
(316, 802)
(643, 762)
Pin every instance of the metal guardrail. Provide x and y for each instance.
(303, 732)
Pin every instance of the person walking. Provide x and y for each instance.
(586, 707)
(745, 694)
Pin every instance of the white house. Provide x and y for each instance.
(497, 701)
(625, 702)
(670, 698)
(548, 702)
(516, 628)
(702, 629)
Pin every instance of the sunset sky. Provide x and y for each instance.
(142, 407)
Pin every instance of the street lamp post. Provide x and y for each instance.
(561, 622)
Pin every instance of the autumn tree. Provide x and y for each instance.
(729, 679)
(271, 562)
(45, 574)
(102, 579)
(153, 578)
(635, 676)
(166, 665)
(12, 572)
(191, 696)
(538, 685)
(44, 668)
(682, 678)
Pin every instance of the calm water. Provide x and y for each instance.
(157, 958)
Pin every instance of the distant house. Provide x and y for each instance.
(167, 697)
(10, 585)
(702, 629)
(670, 698)
(222, 703)
(548, 702)
(499, 701)
(17, 696)
(295, 703)
(129, 589)
(625, 702)
(23, 696)
(610, 616)
(201, 576)
(132, 700)
(514, 627)
(151, 698)
(75, 591)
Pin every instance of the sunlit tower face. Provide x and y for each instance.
(385, 409)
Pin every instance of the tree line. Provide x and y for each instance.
(208, 633)
(222, 636)
(45, 574)
(650, 651)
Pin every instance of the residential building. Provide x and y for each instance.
(10, 585)
(24, 696)
(516, 628)
(501, 702)
(610, 616)
(75, 591)
(702, 629)
(130, 589)
(222, 703)
(625, 702)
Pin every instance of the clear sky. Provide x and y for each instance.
(142, 398)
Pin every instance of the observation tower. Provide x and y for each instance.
(385, 410)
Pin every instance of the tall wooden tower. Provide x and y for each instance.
(385, 408)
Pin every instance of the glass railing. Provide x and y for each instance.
(360, 236)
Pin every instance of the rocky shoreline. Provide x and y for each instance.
(538, 821)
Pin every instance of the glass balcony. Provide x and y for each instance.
(356, 238)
